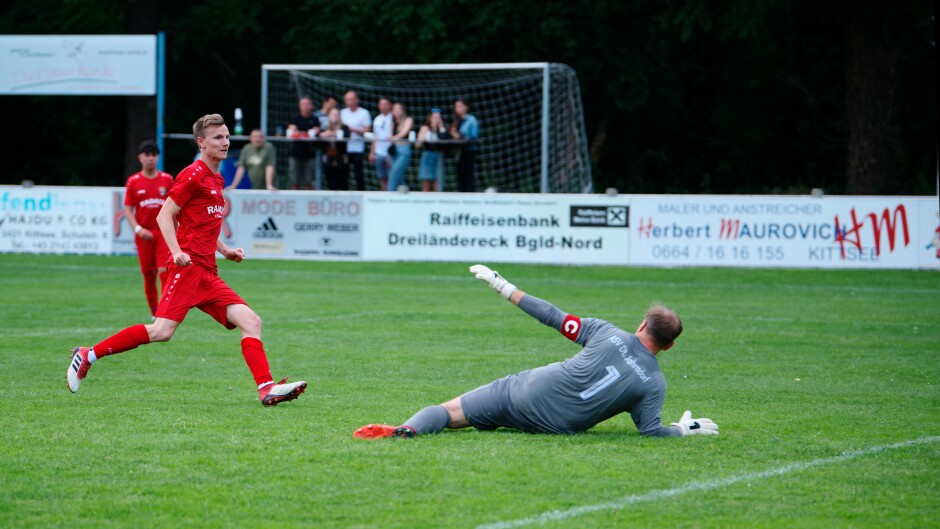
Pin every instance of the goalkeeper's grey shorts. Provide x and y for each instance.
(489, 407)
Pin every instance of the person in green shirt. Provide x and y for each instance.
(258, 158)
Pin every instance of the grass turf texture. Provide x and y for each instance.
(793, 366)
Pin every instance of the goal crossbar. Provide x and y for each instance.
(408, 67)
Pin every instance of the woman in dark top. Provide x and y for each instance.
(335, 161)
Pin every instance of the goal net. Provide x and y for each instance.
(532, 135)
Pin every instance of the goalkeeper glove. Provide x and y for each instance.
(689, 426)
(492, 277)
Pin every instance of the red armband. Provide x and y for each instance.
(571, 327)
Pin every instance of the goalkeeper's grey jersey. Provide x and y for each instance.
(614, 373)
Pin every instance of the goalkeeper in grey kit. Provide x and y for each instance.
(615, 372)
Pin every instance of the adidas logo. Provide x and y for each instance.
(268, 230)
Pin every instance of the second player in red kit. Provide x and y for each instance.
(144, 196)
(197, 204)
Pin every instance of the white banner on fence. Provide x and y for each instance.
(296, 225)
(55, 220)
(774, 231)
(78, 64)
(652, 230)
(568, 229)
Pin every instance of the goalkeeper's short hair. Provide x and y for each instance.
(663, 324)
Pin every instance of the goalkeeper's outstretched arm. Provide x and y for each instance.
(548, 314)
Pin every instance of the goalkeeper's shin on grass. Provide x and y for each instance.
(432, 419)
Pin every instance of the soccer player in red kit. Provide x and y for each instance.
(145, 194)
(196, 202)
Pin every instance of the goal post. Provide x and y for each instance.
(532, 134)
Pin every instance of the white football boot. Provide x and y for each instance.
(273, 394)
(78, 368)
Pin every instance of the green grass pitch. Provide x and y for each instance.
(795, 366)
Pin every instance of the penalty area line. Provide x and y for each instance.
(557, 515)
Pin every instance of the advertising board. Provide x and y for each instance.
(78, 65)
(564, 229)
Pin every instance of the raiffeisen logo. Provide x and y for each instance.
(25, 204)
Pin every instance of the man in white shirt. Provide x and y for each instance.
(383, 128)
(359, 121)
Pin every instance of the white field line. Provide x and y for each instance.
(557, 515)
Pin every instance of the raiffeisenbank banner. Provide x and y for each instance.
(775, 231)
(566, 229)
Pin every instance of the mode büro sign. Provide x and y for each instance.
(296, 225)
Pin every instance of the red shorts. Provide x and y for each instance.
(152, 254)
(195, 286)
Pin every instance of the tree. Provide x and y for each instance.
(745, 96)
(877, 40)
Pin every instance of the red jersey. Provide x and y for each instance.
(147, 195)
(198, 192)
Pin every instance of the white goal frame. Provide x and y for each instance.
(546, 92)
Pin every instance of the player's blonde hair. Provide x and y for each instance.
(663, 325)
(201, 124)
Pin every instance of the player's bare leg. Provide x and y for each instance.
(81, 359)
(432, 419)
(162, 329)
(249, 324)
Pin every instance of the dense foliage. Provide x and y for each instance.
(744, 96)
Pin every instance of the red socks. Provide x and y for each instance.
(132, 337)
(257, 361)
(129, 338)
(150, 290)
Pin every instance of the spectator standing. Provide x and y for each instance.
(431, 170)
(358, 121)
(258, 159)
(401, 146)
(301, 165)
(382, 127)
(329, 103)
(465, 127)
(323, 115)
(334, 159)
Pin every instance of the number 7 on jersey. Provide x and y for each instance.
(612, 376)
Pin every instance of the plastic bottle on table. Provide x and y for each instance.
(238, 122)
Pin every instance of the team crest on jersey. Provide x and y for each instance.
(162, 191)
